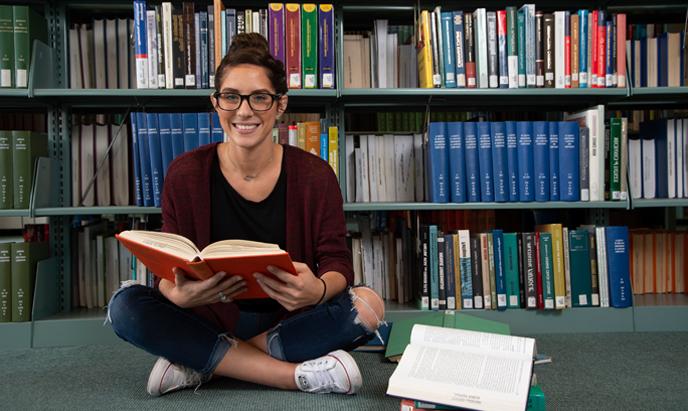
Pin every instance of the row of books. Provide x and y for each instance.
(18, 261)
(313, 136)
(20, 25)
(19, 150)
(101, 55)
(551, 268)
(181, 48)
(658, 261)
(658, 163)
(657, 55)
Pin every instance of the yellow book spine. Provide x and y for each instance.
(424, 53)
(333, 149)
(558, 263)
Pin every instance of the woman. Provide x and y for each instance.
(251, 188)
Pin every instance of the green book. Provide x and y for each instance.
(27, 146)
(5, 282)
(6, 46)
(615, 158)
(25, 257)
(579, 268)
(400, 335)
(511, 270)
(546, 262)
(28, 26)
(6, 185)
(309, 45)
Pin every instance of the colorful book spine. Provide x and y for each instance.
(449, 282)
(502, 46)
(499, 266)
(438, 163)
(521, 31)
(512, 46)
(25, 257)
(449, 47)
(511, 270)
(333, 148)
(276, 37)
(583, 48)
(476, 289)
(618, 270)
(469, 36)
(326, 48)
(466, 275)
(567, 49)
(530, 269)
(140, 44)
(579, 261)
(309, 45)
(547, 270)
(621, 50)
(293, 44)
(459, 39)
(433, 263)
(177, 134)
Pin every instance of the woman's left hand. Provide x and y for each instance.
(292, 291)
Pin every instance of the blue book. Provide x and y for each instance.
(450, 279)
(662, 61)
(460, 61)
(643, 55)
(324, 146)
(472, 168)
(165, 130)
(190, 130)
(326, 51)
(583, 48)
(524, 133)
(554, 161)
(457, 162)
(155, 156)
(500, 277)
(196, 41)
(137, 160)
(569, 161)
(618, 270)
(610, 63)
(144, 156)
(217, 134)
(438, 163)
(140, 44)
(500, 168)
(541, 160)
(512, 159)
(434, 268)
(449, 48)
(177, 134)
(485, 162)
(203, 129)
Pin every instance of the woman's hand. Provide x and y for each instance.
(292, 291)
(218, 288)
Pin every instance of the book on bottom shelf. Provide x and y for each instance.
(161, 252)
(463, 368)
(25, 257)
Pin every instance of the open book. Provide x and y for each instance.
(161, 252)
(468, 369)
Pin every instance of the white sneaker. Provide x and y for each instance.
(335, 372)
(166, 377)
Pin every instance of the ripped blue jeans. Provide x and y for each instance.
(143, 317)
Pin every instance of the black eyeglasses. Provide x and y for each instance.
(257, 101)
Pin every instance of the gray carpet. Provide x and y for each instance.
(589, 371)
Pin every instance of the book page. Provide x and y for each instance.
(167, 243)
(239, 247)
(464, 369)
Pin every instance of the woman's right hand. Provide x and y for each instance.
(218, 288)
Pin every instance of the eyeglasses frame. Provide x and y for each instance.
(246, 97)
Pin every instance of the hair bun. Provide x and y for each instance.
(248, 41)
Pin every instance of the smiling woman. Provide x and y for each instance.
(251, 188)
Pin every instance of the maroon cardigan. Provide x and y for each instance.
(315, 226)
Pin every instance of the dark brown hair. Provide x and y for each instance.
(252, 48)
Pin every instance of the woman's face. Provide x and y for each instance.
(245, 126)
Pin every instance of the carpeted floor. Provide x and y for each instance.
(589, 371)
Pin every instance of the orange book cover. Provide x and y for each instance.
(312, 137)
(161, 252)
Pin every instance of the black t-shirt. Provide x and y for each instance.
(263, 221)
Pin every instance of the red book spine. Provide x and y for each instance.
(593, 44)
(293, 45)
(621, 50)
(601, 50)
(470, 75)
(567, 51)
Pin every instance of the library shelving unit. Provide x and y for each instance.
(55, 323)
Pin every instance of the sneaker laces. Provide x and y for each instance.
(319, 369)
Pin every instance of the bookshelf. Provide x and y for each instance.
(60, 325)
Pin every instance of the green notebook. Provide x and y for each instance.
(401, 330)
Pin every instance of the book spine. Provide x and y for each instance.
(155, 156)
(521, 30)
(601, 49)
(621, 50)
(189, 28)
(512, 46)
(594, 270)
(485, 161)
(276, 37)
(492, 50)
(22, 45)
(211, 46)
(203, 128)
(521, 271)
(491, 270)
(485, 272)
(190, 130)
(333, 148)
(512, 160)
(152, 47)
(615, 158)
(575, 50)
(476, 291)
(5, 282)
(177, 134)
(499, 161)
(434, 268)
(579, 258)
(530, 269)
(457, 166)
(567, 49)
(438, 159)
(144, 160)
(203, 33)
(6, 46)
(449, 49)
(499, 265)
(165, 131)
(530, 44)
(6, 186)
(293, 44)
(217, 134)
(465, 275)
(617, 239)
(309, 45)
(178, 49)
(511, 273)
(602, 266)
(326, 46)
(549, 50)
(554, 194)
(471, 80)
(543, 51)
(541, 160)
(583, 48)
(501, 40)
(27, 146)
(459, 37)
(569, 161)
(424, 302)
(524, 133)
(539, 271)
(442, 270)
(138, 193)
(141, 44)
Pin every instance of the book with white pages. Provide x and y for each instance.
(468, 369)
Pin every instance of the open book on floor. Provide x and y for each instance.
(161, 252)
(470, 369)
